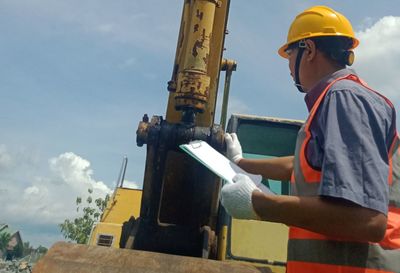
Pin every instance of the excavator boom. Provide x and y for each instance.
(179, 201)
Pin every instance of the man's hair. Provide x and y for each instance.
(337, 48)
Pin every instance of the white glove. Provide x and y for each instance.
(233, 147)
(236, 197)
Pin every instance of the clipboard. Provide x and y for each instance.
(218, 163)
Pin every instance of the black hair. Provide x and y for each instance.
(336, 48)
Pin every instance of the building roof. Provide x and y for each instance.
(4, 228)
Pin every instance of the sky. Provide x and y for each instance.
(76, 77)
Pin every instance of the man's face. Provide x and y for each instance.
(292, 54)
(309, 64)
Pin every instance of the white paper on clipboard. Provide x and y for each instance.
(218, 163)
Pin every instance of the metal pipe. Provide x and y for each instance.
(229, 66)
(121, 176)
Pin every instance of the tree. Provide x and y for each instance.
(5, 237)
(41, 249)
(18, 250)
(27, 249)
(78, 229)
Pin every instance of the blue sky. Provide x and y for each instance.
(77, 76)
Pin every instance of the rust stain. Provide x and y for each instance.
(181, 39)
(199, 14)
(206, 58)
(203, 35)
(207, 92)
(199, 44)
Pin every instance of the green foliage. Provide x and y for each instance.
(27, 249)
(18, 250)
(78, 229)
(41, 249)
(4, 239)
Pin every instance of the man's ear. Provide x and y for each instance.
(311, 50)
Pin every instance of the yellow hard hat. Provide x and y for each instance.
(318, 21)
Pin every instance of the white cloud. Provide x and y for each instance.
(5, 158)
(131, 185)
(75, 172)
(47, 198)
(378, 56)
(33, 190)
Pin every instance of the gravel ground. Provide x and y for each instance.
(23, 265)
(15, 266)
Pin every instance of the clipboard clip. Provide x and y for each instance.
(195, 144)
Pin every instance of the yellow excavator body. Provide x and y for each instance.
(243, 245)
(248, 239)
(124, 204)
(176, 224)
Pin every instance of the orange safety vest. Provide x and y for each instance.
(310, 252)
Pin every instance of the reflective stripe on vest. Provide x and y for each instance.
(301, 267)
(313, 252)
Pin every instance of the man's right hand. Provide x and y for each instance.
(236, 197)
(233, 147)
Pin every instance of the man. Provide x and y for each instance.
(344, 210)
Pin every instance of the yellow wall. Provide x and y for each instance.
(259, 240)
(124, 204)
(106, 229)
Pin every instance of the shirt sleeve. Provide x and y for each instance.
(355, 163)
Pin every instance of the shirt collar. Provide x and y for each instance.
(312, 95)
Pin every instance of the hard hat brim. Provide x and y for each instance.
(282, 49)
